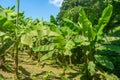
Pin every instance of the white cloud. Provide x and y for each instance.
(57, 3)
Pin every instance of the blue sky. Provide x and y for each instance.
(36, 8)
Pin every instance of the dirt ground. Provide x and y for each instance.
(32, 70)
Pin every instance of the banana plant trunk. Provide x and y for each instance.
(2, 58)
(16, 61)
(2, 61)
(16, 44)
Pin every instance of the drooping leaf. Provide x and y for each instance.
(43, 48)
(43, 32)
(80, 39)
(109, 76)
(67, 31)
(77, 40)
(47, 56)
(59, 42)
(69, 45)
(27, 40)
(6, 46)
(33, 33)
(2, 33)
(52, 34)
(67, 53)
(110, 48)
(70, 23)
(104, 61)
(91, 68)
(55, 29)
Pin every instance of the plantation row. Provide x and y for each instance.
(72, 43)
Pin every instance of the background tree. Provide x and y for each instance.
(93, 9)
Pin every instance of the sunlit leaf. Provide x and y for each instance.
(104, 19)
(91, 68)
(9, 25)
(85, 25)
(33, 33)
(27, 40)
(47, 56)
(67, 53)
(44, 48)
(104, 61)
(59, 42)
(51, 33)
(70, 23)
(2, 13)
(110, 48)
(69, 45)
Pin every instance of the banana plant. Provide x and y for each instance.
(9, 25)
(37, 37)
(88, 36)
(94, 35)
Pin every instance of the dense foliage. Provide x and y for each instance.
(81, 44)
(93, 9)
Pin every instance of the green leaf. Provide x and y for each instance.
(59, 42)
(47, 56)
(106, 14)
(2, 13)
(70, 23)
(2, 21)
(85, 24)
(110, 48)
(6, 46)
(104, 61)
(91, 68)
(2, 34)
(51, 34)
(9, 25)
(43, 32)
(43, 48)
(67, 53)
(78, 41)
(27, 40)
(53, 20)
(67, 31)
(33, 33)
(109, 76)
(2, 77)
(83, 19)
(5, 24)
(55, 28)
(69, 45)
